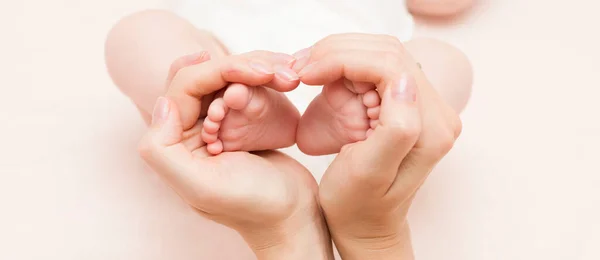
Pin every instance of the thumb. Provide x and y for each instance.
(161, 146)
(166, 125)
(398, 130)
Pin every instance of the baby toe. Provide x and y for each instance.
(209, 138)
(237, 96)
(373, 123)
(373, 112)
(215, 148)
(210, 126)
(217, 110)
(371, 99)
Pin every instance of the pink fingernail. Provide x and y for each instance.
(260, 67)
(405, 90)
(197, 57)
(286, 73)
(285, 58)
(300, 63)
(302, 53)
(306, 69)
(160, 112)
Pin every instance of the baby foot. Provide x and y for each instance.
(246, 118)
(344, 112)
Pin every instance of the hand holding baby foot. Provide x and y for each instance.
(267, 197)
(347, 110)
(367, 190)
(258, 68)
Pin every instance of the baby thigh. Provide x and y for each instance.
(141, 47)
(448, 69)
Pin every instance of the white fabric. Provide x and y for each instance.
(288, 26)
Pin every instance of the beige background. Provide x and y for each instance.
(522, 182)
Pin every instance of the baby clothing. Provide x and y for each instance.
(287, 26)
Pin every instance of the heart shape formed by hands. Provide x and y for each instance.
(255, 118)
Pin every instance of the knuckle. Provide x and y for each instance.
(441, 144)
(149, 147)
(146, 148)
(445, 144)
(457, 126)
(405, 133)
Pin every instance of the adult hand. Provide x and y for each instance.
(191, 83)
(269, 198)
(367, 190)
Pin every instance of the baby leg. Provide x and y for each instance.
(141, 47)
(439, 7)
(448, 69)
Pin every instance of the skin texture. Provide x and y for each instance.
(139, 55)
(366, 201)
(345, 112)
(136, 49)
(244, 118)
(269, 198)
(140, 59)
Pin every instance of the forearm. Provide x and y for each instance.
(312, 242)
(390, 248)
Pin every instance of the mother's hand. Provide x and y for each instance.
(367, 190)
(269, 198)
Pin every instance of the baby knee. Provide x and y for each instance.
(438, 8)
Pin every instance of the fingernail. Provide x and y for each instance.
(286, 73)
(405, 90)
(300, 63)
(260, 67)
(285, 58)
(302, 58)
(306, 69)
(160, 111)
(197, 57)
(302, 53)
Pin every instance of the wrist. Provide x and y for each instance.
(307, 239)
(396, 247)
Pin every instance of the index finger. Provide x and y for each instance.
(380, 68)
(191, 83)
